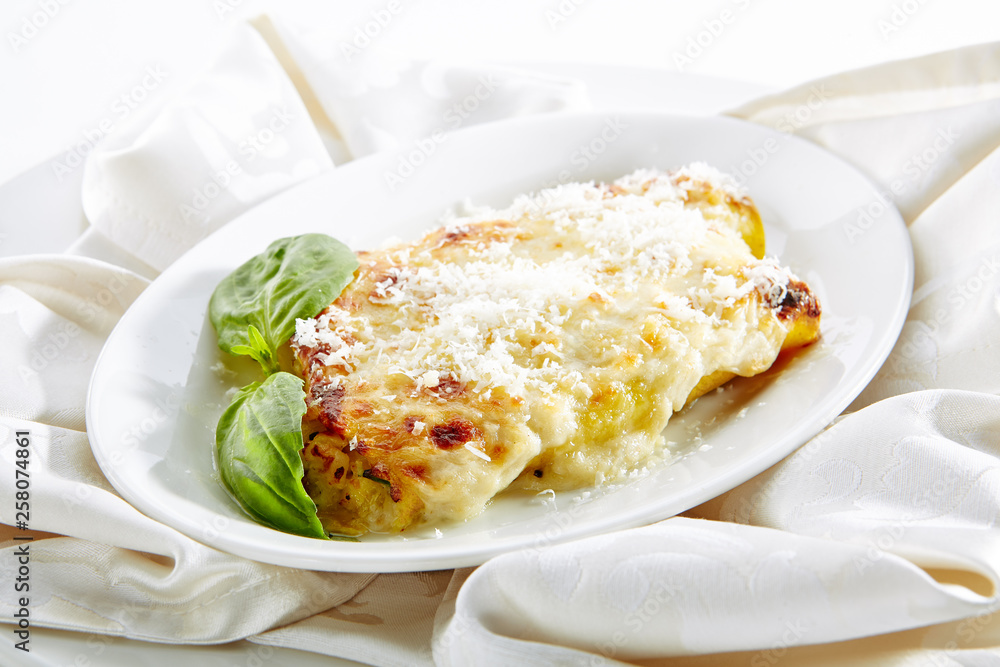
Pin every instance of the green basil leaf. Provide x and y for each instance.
(255, 307)
(257, 350)
(257, 445)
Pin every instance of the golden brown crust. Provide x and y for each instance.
(394, 449)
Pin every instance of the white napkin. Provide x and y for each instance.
(879, 534)
(375, 101)
(258, 121)
(940, 115)
(237, 135)
(847, 536)
(128, 575)
(243, 130)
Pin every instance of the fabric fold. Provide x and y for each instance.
(378, 100)
(99, 565)
(239, 133)
(940, 113)
(841, 540)
(56, 312)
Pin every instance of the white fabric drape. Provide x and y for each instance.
(875, 543)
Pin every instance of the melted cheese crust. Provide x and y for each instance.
(543, 346)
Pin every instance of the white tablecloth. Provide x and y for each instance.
(873, 544)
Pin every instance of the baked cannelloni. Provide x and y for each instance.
(542, 346)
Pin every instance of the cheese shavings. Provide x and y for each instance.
(493, 317)
(539, 346)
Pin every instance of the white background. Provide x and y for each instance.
(65, 63)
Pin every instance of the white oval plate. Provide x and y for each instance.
(160, 383)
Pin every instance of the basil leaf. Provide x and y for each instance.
(257, 445)
(255, 307)
(257, 350)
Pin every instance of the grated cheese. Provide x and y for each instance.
(471, 446)
(551, 339)
(476, 314)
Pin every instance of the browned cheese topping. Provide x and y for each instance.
(543, 346)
